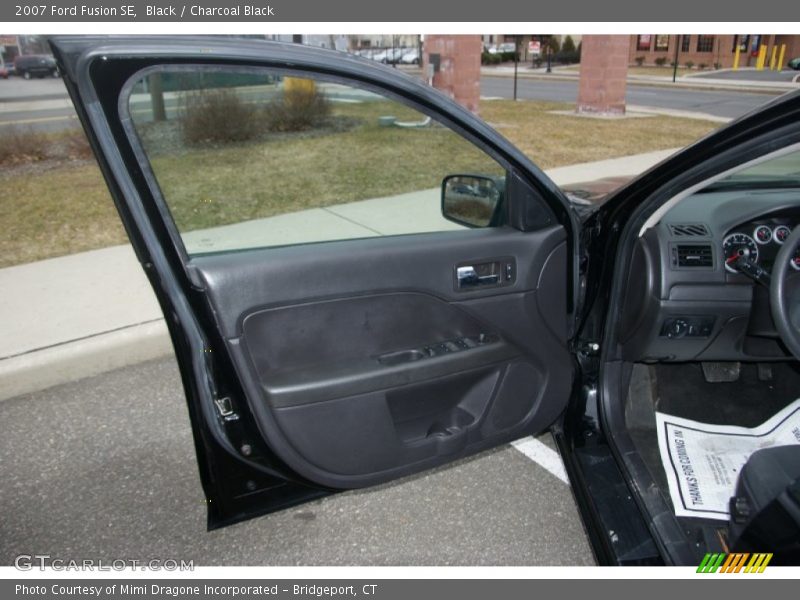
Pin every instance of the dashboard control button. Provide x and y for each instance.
(687, 327)
(677, 329)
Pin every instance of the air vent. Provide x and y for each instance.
(688, 230)
(693, 256)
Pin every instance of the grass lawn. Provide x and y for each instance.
(60, 207)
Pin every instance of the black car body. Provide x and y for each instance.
(35, 65)
(310, 369)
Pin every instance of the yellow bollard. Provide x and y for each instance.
(782, 56)
(762, 58)
(736, 57)
(773, 57)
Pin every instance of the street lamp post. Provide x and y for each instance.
(516, 62)
(675, 62)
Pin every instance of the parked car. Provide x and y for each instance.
(397, 55)
(35, 65)
(410, 57)
(390, 56)
(794, 64)
(501, 48)
(379, 56)
(333, 365)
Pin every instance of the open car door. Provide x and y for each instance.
(333, 329)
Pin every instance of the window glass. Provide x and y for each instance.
(780, 170)
(662, 43)
(643, 42)
(740, 41)
(705, 43)
(248, 159)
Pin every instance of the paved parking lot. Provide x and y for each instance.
(104, 468)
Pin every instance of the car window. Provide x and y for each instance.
(784, 168)
(257, 158)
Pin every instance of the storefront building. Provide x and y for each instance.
(708, 51)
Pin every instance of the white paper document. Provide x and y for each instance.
(703, 461)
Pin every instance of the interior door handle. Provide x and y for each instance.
(467, 276)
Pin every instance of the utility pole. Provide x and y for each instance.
(157, 97)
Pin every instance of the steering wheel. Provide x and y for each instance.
(784, 294)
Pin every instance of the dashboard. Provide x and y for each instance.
(686, 299)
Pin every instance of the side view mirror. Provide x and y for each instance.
(472, 200)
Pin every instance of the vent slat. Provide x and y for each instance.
(694, 255)
(688, 230)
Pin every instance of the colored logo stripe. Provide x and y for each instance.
(711, 563)
(758, 563)
(734, 562)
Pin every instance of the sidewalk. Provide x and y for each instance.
(79, 315)
(687, 81)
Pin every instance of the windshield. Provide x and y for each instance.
(783, 170)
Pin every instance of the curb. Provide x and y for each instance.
(674, 112)
(43, 368)
(751, 87)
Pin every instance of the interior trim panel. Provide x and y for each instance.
(362, 361)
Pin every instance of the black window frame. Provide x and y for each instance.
(704, 41)
(657, 47)
(742, 41)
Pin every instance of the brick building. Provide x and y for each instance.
(459, 67)
(9, 47)
(709, 50)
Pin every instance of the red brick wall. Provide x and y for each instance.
(722, 50)
(604, 69)
(792, 46)
(459, 73)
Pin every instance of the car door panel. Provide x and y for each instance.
(336, 339)
(306, 368)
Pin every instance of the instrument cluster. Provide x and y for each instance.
(757, 242)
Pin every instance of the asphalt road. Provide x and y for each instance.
(104, 468)
(14, 88)
(43, 115)
(714, 102)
